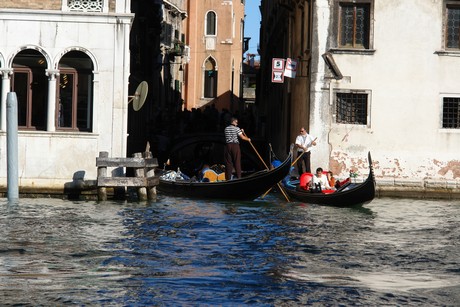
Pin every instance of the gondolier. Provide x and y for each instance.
(304, 142)
(232, 153)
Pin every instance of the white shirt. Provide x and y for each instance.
(322, 180)
(304, 141)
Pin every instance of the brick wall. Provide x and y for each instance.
(31, 4)
(112, 6)
(40, 4)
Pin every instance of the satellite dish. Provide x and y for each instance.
(139, 96)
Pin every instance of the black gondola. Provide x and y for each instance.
(246, 188)
(348, 195)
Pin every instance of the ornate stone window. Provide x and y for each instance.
(210, 79)
(86, 5)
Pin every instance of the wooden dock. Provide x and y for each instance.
(144, 170)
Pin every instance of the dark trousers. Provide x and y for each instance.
(304, 159)
(232, 155)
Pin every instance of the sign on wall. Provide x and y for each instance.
(277, 70)
(291, 68)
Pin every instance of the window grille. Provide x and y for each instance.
(86, 5)
(354, 25)
(453, 27)
(451, 113)
(351, 108)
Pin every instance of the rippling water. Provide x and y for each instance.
(176, 251)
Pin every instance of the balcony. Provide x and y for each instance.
(178, 49)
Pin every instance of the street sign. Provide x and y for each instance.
(277, 77)
(291, 68)
(277, 70)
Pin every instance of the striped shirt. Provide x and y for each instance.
(231, 134)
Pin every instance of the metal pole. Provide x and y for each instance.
(12, 146)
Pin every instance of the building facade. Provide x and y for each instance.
(373, 76)
(215, 36)
(68, 62)
(159, 56)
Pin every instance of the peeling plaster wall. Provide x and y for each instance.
(406, 80)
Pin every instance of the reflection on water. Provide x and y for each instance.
(176, 251)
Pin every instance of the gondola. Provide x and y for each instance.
(350, 194)
(246, 188)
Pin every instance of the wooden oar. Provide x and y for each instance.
(292, 164)
(278, 184)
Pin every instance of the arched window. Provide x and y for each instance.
(74, 109)
(211, 24)
(210, 79)
(30, 83)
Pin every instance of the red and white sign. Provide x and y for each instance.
(278, 64)
(277, 76)
(291, 68)
(278, 70)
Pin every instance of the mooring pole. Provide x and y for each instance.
(12, 145)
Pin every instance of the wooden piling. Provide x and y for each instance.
(150, 173)
(102, 173)
(140, 173)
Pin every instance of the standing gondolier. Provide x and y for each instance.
(304, 142)
(232, 152)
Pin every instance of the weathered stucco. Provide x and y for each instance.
(406, 80)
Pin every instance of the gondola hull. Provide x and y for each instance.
(354, 194)
(246, 188)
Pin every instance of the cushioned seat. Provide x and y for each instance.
(211, 176)
(305, 180)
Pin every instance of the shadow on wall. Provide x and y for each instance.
(78, 185)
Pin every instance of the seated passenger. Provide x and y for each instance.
(319, 181)
(331, 179)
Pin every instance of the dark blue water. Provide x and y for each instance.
(180, 252)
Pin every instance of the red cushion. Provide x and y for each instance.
(305, 179)
(328, 191)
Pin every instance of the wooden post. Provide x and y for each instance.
(150, 172)
(102, 173)
(140, 173)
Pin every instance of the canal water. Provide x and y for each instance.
(181, 252)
